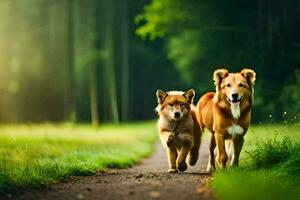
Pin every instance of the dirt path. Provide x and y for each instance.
(148, 180)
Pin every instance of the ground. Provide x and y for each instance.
(47, 157)
(147, 180)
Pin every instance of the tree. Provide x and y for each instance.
(109, 61)
(204, 35)
(71, 65)
(125, 61)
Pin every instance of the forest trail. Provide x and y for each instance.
(147, 180)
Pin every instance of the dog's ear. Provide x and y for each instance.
(219, 75)
(189, 95)
(161, 96)
(249, 75)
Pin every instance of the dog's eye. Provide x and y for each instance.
(228, 85)
(181, 104)
(170, 104)
(241, 85)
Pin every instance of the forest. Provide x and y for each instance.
(102, 61)
(78, 82)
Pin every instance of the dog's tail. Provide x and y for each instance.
(194, 153)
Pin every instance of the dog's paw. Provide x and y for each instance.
(182, 166)
(193, 157)
(170, 140)
(172, 170)
(234, 163)
(220, 164)
(210, 168)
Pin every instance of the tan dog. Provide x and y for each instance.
(178, 128)
(227, 113)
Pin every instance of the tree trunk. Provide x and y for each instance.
(71, 68)
(110, 63)
(94, 95)
(125, 62)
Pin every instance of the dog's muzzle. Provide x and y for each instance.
(177, 115)
(235, 100)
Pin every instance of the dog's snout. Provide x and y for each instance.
(177, 114)
(234, 95)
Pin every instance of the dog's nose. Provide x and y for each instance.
(177, 114)
(235, 96)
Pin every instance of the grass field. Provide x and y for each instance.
(269, 166)
(35, 155)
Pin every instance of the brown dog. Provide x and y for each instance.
(227, 113)
(178, 128)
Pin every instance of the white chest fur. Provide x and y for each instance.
(235, 130)
(235, 111)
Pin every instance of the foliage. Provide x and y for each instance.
(274, 152)
(35, 155)
(204, 35)
(90, 53)
(161, 18)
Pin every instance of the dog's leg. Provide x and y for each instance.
(229, 148)
(181, 163)
(172, 156)
(166, 138)
(211, 160)
(222, 156)
(238, 142)
(194, 153)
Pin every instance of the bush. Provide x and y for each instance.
(272, 152)
(282, 156)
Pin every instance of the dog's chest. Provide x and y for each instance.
(178, 133)
(235, 129)
(175, 129)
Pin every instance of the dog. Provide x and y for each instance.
(226, 113)
(178, 128)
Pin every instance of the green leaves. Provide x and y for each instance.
(161, 18)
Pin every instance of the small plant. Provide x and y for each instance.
(270, 168)
(273, 152)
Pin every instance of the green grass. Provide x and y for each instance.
(269, 166)
(36, 155)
